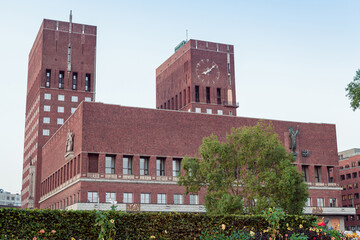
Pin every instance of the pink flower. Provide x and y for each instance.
(41, 231)
(53, 231)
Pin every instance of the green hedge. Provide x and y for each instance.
(18, 223)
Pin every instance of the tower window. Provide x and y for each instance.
(218, 95)
(197, 94)
(61, 79)
(144, 166)
(47, 75)
(160, 167)
(74, 81)
(207, 94)
(69, 59)
(87, 82)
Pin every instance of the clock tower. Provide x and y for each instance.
(198, 77)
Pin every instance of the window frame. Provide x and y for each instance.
(161, 167)
(144, 166)
(109, 168)
(127, 165)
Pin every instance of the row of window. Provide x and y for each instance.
(209, 111)
(353, 164)
(144, 198)
(46, 120)
(350, 186)
(61, 80)
(320, 202)
(47, 96)
(317, 173)
(350, 196)
(60, 109)
(127, 163)
(349, 175)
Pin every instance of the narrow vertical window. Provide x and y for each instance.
(218, 95)
(317, 173)
(127, 165)
(87, 82)
(61, 79)
(74, 81)
(184, 97)
(109, 164)
(48, 76)
(176, 102)
(160, 167)
(332, 202)
(197, 94)
(207, 94)
(305, 172)
(69, 59)
(180, 100)
(144, 166)
(176, 167)
(188, 94)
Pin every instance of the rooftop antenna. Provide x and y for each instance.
(70, 21)
(186, 35)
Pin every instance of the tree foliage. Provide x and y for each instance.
(353, 91)
(247, 173)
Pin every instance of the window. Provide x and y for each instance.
(207, 94)
(218, 95)
(93, 163)
(356, 195)
(347, 166)
(47, 96)
(46, 132)
(109, 165)
(353, 164)
(73, 110)
(46, 120)
(47, 76)
(308, 202)
(350, 196)
(230, 113)
(344, 197)
(209, 111)
(320, 202)
(332, 202)
(176, 167)
(87, 82)
(348, 176)
(197, 94)
(60, 109)
(88, 99)
(61, 97)
(60, 121)
(357, 206)
(342, 177)
(46, 108)
(305, 172)
(160, 167)
(110, 197)
(144, 166)
(161, 198)
(74, 99)
(145, 198)
(194, 199)
(349, 186)
(178, 199)
(220, 112)
(317, 173)
(354, 175)
(128, 198)
(355, 185)
(92, 197)
(74, 81)
(127, 165)
(61, 79)
(198, 110)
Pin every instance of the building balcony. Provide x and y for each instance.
(231, 104)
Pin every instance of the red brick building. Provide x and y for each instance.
(61, 74)
(104, 153)
(349, 163)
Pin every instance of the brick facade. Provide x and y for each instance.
(131, 154)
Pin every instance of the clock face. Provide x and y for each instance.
(207, 71)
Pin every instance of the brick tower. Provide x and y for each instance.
(61, 74)
(198, 77)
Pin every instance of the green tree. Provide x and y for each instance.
(247, 173)
(353, 91)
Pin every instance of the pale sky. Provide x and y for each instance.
(293, 59)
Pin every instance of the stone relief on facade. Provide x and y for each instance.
(69, 147)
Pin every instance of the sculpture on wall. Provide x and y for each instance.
(70, 142)
(292, 138)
